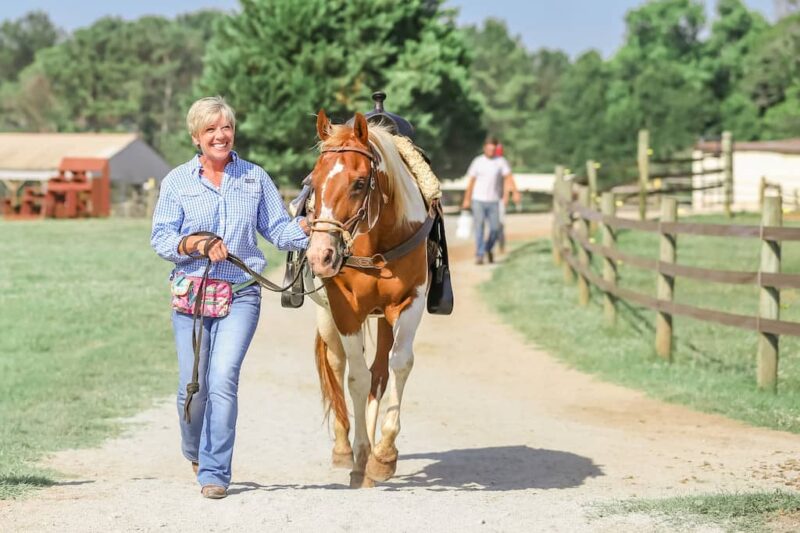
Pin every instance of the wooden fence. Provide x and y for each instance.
(572, 248)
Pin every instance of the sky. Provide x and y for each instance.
(571, 25)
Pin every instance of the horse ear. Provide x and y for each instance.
(323, 125)
(360, 129)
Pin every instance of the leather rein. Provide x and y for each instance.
(346, 229)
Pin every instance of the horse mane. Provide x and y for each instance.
(401, 186)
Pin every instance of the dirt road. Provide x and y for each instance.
(497, 436)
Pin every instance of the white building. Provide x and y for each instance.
(777, 161)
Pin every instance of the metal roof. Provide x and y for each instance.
(44, 151)
(782, 146)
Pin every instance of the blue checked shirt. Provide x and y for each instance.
(247, 201)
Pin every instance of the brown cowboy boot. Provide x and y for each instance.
(213, 492)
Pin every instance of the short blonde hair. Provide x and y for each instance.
(205, 110)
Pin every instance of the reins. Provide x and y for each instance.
(197, 333)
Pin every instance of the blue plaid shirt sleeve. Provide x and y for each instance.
(274, 223)
(167, 222)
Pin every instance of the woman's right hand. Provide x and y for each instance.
(217, 251)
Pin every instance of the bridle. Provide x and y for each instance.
(346, 229)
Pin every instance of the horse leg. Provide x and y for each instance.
(380, 375)
(359, 383)
(332, 363)
(383, 459)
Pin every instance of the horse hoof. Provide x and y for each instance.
(359, 481)
(377, 470)
(342, 460)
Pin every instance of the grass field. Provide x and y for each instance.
(714, 366)
(86, 337)
(758, 511)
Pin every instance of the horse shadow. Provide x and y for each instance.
(500, 468)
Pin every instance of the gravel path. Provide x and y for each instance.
(497, 436)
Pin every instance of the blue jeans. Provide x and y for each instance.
(208, 439)
(481, 212)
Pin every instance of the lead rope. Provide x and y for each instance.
(197, 339)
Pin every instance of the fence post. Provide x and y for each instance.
(556, 231)
(643, 160)
(591, 174)
(769, 298)
(609, 268)
(584, 289)
(566, 224)
(762, 190)
(666, 284)
(727, 165)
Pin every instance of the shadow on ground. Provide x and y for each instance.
(498, 468)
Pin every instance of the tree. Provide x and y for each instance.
(657, 79)
(773, 77)
(20, 40)
(514, 86)
(279, 61)
(734, 33)
(117, 75)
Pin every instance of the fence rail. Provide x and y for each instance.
(571, 234)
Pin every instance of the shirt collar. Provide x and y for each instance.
(196, 165)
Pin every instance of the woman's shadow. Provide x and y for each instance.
(497, 468)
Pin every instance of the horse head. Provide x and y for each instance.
(347, 193)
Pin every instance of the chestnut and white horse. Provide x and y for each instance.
(368, 244)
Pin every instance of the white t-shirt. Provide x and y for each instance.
(488, 173)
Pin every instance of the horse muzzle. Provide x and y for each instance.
(326, 254)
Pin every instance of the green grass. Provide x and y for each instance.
(713, 367)
(86, 338)
(734, 512)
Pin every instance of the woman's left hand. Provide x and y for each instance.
(303, 223)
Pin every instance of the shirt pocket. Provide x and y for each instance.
(198, 208)
(247, 197)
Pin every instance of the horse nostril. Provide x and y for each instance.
(327, 257)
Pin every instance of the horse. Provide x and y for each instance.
(369, 228)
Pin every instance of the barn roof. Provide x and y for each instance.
(782, 146)
(37, 156)
(44, 151)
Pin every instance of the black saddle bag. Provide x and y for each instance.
(293, 298)
(440, 294)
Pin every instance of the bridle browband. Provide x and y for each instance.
(346, 228)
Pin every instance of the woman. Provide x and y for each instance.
(218, 192)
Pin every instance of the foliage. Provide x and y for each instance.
(278, 62)
(20, 40)
(741, 512)
(116, 75)
(515, 87)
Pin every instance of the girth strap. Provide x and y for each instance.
(379, 260)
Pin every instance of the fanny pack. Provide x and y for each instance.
(217, 295)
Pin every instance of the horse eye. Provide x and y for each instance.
(359, 185)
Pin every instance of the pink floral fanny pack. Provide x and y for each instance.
(217, 298)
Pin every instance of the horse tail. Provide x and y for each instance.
(332, 392)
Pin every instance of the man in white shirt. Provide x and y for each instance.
(487, 177)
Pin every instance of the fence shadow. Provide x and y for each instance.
(500, 468)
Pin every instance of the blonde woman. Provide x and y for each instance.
(217, 191)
